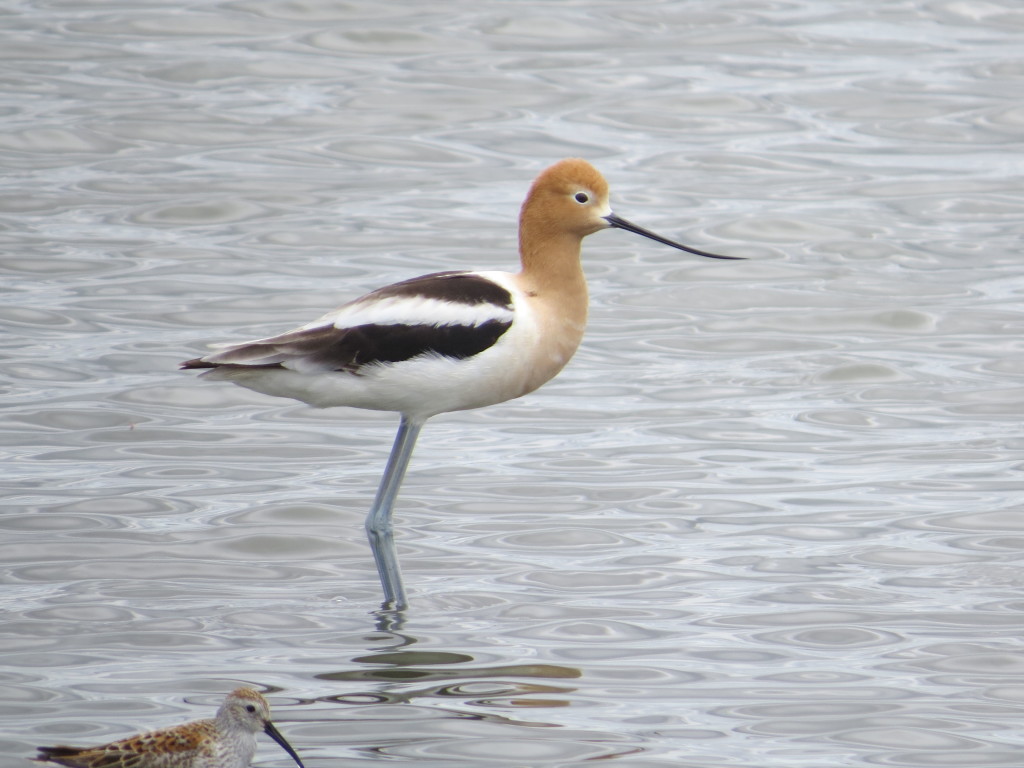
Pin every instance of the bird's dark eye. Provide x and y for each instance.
(581, 197)
(250, 708)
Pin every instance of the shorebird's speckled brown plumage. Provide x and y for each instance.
(226, 741)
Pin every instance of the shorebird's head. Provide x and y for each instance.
(571, 196)
(247, 710)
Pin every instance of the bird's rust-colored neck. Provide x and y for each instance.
(552, 278)
(549, 249)
(558, 289)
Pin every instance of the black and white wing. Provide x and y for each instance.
(449, 314)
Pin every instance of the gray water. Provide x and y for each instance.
(770, 515)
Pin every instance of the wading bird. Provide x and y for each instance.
(225, 741)
(446, 341)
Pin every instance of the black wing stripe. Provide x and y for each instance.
(350, 349)
(364, 345)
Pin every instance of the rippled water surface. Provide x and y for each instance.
(770, 516)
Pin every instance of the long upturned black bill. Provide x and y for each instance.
(275, 734)
(620, 223)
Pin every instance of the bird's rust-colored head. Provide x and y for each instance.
(568, 201)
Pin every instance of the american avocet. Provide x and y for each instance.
(447, 341)
(226, 741)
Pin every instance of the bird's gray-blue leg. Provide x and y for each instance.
(378, 521)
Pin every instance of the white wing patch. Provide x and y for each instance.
(411, 310)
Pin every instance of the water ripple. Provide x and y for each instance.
(766, 517)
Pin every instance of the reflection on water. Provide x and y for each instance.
(768, 515)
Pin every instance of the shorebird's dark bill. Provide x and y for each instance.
(275, 734)
(620, 223)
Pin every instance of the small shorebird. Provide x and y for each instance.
(226, 741)
(446, 341)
